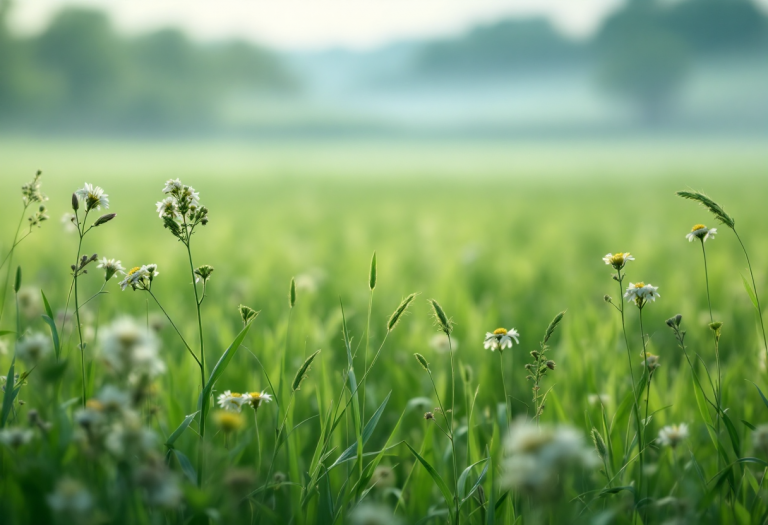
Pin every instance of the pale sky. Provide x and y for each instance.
(314, 24)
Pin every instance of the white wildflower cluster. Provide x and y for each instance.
(181, 210)
(140, 277)
(112, 268)
(500, 339)
(15, 437)
(234, 401)
(641, 293)
(701, 232)
(93, 197)
(539, 457)
(131, 351)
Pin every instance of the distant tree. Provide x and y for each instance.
(642, 61)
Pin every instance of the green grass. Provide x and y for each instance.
(500, 234)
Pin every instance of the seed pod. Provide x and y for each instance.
(75, 202)
(104, 219)
(372, 274)
(551, 364)
(292, 293)
(678, 319)
(607, 298)
(399, 311)
(422, 361)
(301, 373)
(597, 438)
(441, 318)
(17, 284)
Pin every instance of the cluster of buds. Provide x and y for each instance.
(39, 216)
(181, 210)
(30, 192)
(84, 261)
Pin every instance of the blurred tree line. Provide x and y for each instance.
(79, 74)
(642, 52)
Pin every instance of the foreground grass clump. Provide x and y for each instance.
(258, 396)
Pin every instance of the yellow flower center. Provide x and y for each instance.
(639, 285)
(500, 331)
(134, 270)
(235, 394)
(256, 395)
(698, 227)
(94, 404)
(618, 258)
(229, 421)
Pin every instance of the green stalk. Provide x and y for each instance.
(648, 383)
(719, 394)
(10, 263)
(504, 386)
(754, 288)
(81, 231)
(453, 444)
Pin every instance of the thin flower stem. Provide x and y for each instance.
(507, 411)
(82, 231)
(175, 328)
(453, 444)
(754, 288)
(367, 341)
(619, 279)
(647, 371)
(10, 263)
(719, 393)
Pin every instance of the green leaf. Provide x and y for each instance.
(182, 427)
(463, 478)
(205, 397)
(186, 466)
(765, 401)
(10, 393)
(750, 292)
(49, 320)
(616, 490)
(435, 476)
(735, 441)
(480, 479)
(6, 332)
(748, 424)
(367, 433)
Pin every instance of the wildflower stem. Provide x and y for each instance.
(81, 231)
(719, 393)
(754, 288)
(367, 341)
(175, 328)
(10, 263)
(453, 444)
(619, 279)
(504, 386)
(647, 371)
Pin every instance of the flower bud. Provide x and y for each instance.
(75, 202)
(551, 364)
(104, 219)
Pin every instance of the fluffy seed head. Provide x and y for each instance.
(552, 325)
(399, 311)
(442, 320)
(301, 373)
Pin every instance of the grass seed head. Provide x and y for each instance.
(372, 275)
(399, 311)
(422, 361)
(597, 438)
(713, 207)
(552, 326)
(442, 320)
(17, 283)
(247, 313)
(301, 373)
(292, 293)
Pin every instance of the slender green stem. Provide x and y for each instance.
(175, 328)
(507, 411)
(453, 444)
(10, 263)
(367, 340)
(719, 393)
(619, 279)
(81, 231)
(647, 371)
(754, 287)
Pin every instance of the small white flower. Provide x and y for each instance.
(130, 351)
(33, 348)
(129, 438)
(232, 401)
(641, 293)
(598, 399)
(112, 267)
(501, 338)
(172, 185)
(256, 398)
(618, 260)
(15, 437)
(68, 221)
(70, 497)
(439, 343)
(93, 197)
(699, 231)
(167, 206)
(113, 399)
(673, 435)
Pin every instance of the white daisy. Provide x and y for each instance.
(501, 338)
(133, 277)
(70, 497)
(111, 266)
(699, 231)
(256, 398)
(618, 260)
(33, 348)
(232, 401)
(15, 437)
(93, 196)
(673, 435)
(641, 293)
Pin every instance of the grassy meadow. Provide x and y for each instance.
(499, 234)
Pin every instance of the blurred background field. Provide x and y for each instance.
(490, 162)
